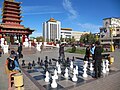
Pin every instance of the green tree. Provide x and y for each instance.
(72, 40)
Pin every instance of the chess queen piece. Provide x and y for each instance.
(74, 76)
(47, 76)
(53, 84)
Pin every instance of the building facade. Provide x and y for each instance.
(11, 19)
(110, 32)
(66, 32)
(51, 30)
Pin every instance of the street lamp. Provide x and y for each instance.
(111, 36)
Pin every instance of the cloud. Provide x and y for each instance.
(89, 27)
(36, 10)
(68, 7)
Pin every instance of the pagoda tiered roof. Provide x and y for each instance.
(12, 5)
(10, 8)
(12, 19)
(12, 2)
(11, 15)
(12, 12)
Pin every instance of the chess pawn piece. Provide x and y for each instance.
(29, 66)
(74, 76)
(53, 84)
(33, 63)
(59, 69)
(66, 73)
(47, 76)
(57, 64)
(103, 64)
(50, 62)
(107, 65)
(38, 60)
(71, 64)
(84, 71)
(55, 74)
(76, 69)
(23, 63)
(73, 59)
(91, 66)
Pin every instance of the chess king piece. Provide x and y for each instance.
(55, 74)
(85, 70)
(76, 69)
(91, 66)
(59, 69)
(47, 76)
(23, 63)
(53, 84)
(71, 64)
(103, 64)
(74, 76)
(66, 73)
(107, 65)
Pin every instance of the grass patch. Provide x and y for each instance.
(78, 51)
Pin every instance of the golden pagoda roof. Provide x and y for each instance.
(52, 20)
(67, 29)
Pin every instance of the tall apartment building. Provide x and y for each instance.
(51, 29)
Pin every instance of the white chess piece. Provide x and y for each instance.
(53, 84)
(57, 64)
(107, 65)
(85, 71)
(59, 69)
(55, 74)
(103, 64)
(91, 66)
(71, 64)
(74, 76)
(66, 73)
(47, 77)
(76, 69)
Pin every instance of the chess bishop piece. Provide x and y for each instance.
(66, 73)
(47, 76)
(53, 84)
(74, 76)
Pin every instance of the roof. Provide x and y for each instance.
(67, 29)
(52, 20)
(111, 17)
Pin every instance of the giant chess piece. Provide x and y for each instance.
(85, 70)
(33, 63)
(23, 63)
(91, 66)
(104, 68)
(71, 64)
(38, 61)
(59, 69)
(41, 62)
(107, 65)
(50, 62)
(47, 76)
(55, 74)
(53, 84)
(74, 75)
(29, 65)
(73, 59)
(57, 64)
(66, 73)
(76, 69)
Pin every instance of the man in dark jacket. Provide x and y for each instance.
(61, 51)
(98, 59)
(20, 50)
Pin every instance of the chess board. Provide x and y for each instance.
(38, 74)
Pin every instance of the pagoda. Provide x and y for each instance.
(11, 19)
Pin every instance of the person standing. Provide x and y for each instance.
(98, 59)
(61, 51)
(20, 50)
(92, 51)
(87, 54)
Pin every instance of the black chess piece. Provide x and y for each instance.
(38, 60)
(29, 65)
(59, 60)
(33, 63)
(68, 60)
(23, 63)
(73, 59)
(41, 62)
(50, 62)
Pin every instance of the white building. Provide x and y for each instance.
(51, 29)
(77, 35)
(66, 32)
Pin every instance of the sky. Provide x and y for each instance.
(80, 15)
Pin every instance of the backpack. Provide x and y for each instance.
(11, 64)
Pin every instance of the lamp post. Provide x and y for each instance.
(111, 36)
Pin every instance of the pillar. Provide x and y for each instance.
(12, 39)
(23, 38)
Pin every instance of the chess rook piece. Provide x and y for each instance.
(53, 84)
(47, 76)
(33, 63)
(23, 63)
(104, 69)
(66, 73)
(74, 76)
(107, 65)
